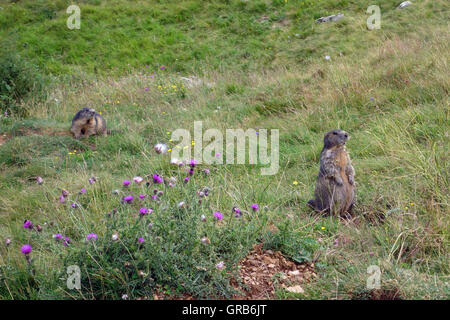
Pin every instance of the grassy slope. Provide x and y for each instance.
(264, 77)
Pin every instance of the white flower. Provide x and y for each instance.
(182, 205)
(160, 148)
(115, 236)
(327, 57)
(205, 240)
(138, 180)
(220, 265)
(124, 296)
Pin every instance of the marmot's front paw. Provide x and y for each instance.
(339, 181)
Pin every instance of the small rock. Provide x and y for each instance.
(404, 4)
(334, 18)
(295, 289)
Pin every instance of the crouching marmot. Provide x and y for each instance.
(88, 122)
(335, 189)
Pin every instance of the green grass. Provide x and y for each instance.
(263, 73)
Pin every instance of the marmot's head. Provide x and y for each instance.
(335, 138)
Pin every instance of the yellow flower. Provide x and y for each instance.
(159, 87)
(323, 228)
(170, 150)
(412, 203)
(406, 208)
(295, 183)
(168, 132)
(100, 112)
(117, 101)
(170, 140)
(174, 87)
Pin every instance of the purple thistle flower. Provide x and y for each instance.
(39, 180)
(91, 236)
(218, 215)
(186, 179)
(157, 179)
(92, 180)
(255, 207)
(146, 89)
(193, 163)
(74, 205)
(154, 197)
(26, 249)
(126, 183)
(62, 199)
(206, 171)
(162, 67)
(141, 240)
(142, 196)
(83, 190)
(64, 192)
(143, 212)
(27, 224)
(66, 241)
(128, 199)
(191, 171)
(58, 236)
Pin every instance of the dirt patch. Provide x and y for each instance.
(3, 138)
(263, 271)
(379, 294)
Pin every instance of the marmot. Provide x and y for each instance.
(88, 122)
(335, 189)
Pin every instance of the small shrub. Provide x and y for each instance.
(19, 80)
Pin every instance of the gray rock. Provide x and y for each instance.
(334, 18)
(404, 4)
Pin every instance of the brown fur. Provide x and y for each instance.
(335, 188)
(88, 122)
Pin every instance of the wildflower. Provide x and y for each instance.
(295, 183)
(327, 57)
(91, 236)
(174, 161)
(27, 224)
(205, 240)
(191, 171)
(128, 199)
(39, 180)
(157, 179)
(266, 208)
(26, 249)
(74, 205)
(125, 297)
(66, 241)
(92, 180)
(206, 171)
(412, 203)
(115, 236)
(220, 265)
(237, 212)
(141, 240)
(160, 148)
(146, 89)
(7, 242)
(218, 215)
(38, 228)
(62, 199)
(142, 196)
(143, 211)
(58, 236)
(162, 67)
(83, 190)
(323, 228)
(203, 218)
(64, 192)
(138, 180)
(186, 179)
(154, 197)
(255, 207)
(217, 154)
(181, 205)
(126, 183)
(193, 163)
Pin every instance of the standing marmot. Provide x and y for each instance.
(88, 122)
(335, 189)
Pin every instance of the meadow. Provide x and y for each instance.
(253, 64)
